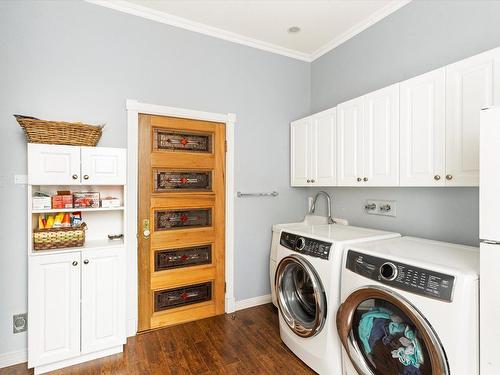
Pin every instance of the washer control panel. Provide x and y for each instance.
(305, 245)
(402, 276)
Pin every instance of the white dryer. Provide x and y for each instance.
(307, 284)
(410, 307)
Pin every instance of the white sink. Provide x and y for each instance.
(309, 220)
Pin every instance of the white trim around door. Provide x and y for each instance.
(133, 109)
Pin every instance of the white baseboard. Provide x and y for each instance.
(13, 358)
(251, 302)
(131, 327)
(230, 305)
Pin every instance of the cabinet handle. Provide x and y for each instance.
(308, 181)
(359, 179)
(437, 177)
(312, 180)
(449, 176)
(75, 263)
(365, 179)
(86, 177)
(75, 176)
(86, 261)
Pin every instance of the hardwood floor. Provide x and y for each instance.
(249, 344)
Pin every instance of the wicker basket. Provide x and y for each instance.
(58, 132)
(57, 238)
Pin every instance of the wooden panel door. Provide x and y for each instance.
(103, 299)
(323, 147)
(471, 84)
(181, 220)
(381, 137)
(300, 148)
(54, 308)
(103, 166)
(422, 130)
(53, 164)
(350, 143)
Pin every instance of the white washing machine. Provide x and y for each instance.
(309, 220)
(410, 307)
(307, 283)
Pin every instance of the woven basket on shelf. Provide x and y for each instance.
(57, 238)
(59, 132)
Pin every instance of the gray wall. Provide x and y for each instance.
(419, 37)
(77, 61)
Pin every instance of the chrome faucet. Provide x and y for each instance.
(328, 205)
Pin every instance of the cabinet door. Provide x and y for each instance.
(350, 143)
(54, 308)
(103, 299)
(381, 137)
(323, 146)
(103, 166)
(422, 130)
(471, 84)
(53, 164)
(300, 161)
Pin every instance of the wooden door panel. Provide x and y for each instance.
(180, 216)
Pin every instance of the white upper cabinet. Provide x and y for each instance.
(471, 84)
(300, 150)
(103, 299)
(368, 139)
(324, 137)
(103, 165)
(53, 164)
(422, 130)
(73, 165)
(313, 150)
(54, 308)
(350, 142)
(381, 137)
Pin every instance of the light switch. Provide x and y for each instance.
(21, 179)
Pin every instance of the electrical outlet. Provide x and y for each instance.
(380, 207)
(20, 323)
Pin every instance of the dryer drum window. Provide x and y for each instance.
(301, 297)
(387, 337)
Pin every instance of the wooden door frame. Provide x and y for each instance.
(134, 108)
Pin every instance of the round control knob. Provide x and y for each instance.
(300, 244)
(388, 271)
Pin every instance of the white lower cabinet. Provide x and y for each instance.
(103, 299)
(76, 306)
(53, 308)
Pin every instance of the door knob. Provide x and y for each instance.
(312, 180)
(86, 261)
(449, 176)
(359, 179)
(86, 177)
(365, 179)
(308, 181)
(437, 177)
(75, 263)
(145, 229)
(75, 176)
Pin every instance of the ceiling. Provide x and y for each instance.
(263, 24)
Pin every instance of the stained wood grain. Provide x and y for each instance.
(249, 344)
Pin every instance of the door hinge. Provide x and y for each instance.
(225, 287)
(225, 145)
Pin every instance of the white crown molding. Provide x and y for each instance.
(183, 23)
(359, 27)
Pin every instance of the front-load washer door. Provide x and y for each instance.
(301, 297)
(384, 334)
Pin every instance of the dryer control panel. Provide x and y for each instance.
(305, 245)
(402, 276)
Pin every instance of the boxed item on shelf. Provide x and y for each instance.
(41, 201)
(86, 199)
(63, 199)
(110, 202)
